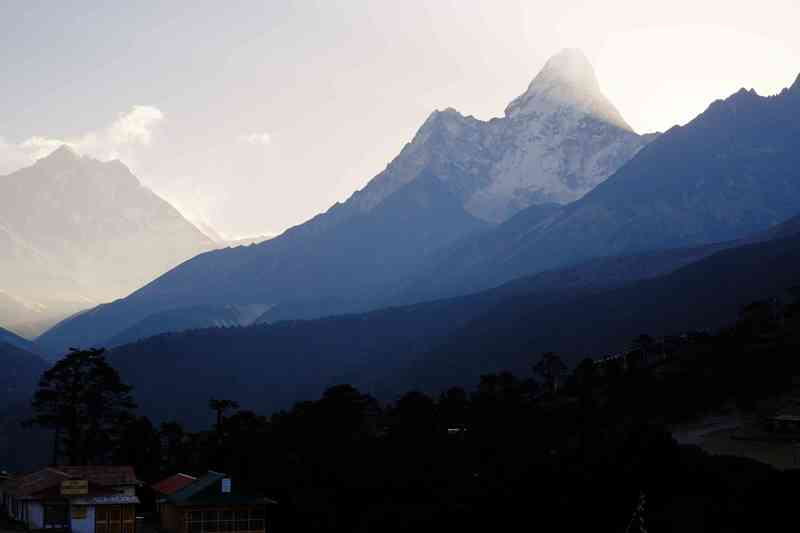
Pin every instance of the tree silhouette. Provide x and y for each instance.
(550, 368)
(645, 344)
(220, 406)
(171, 435)
(83, 399)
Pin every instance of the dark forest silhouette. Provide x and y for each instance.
(579, 449)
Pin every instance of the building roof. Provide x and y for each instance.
(207, 490)
(198, 485)
(29, 484)
(173, 483)
(48, 480)
(103, 475)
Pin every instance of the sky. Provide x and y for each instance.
(252, 117)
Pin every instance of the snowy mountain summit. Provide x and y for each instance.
(567, 81)
(556, 142)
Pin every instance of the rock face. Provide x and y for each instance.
(732, 171)
(77, 229)
(457, 177)
(555, 143)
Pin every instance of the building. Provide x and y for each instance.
(211, 504)
(169, 486)
(81, 499)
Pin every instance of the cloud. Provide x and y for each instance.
(135, 126)
(131, 129)
(262, 139)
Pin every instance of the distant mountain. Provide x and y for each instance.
(74, 229)
(453, 341)
(704, 295)
(247, 241)
(459, 176)
(13, 339)
(222, 242)
(181, 319)
(21, 372)
(30, 319)
(555, 143)
(732, 171)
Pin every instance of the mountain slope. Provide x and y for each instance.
(21, 372)
(458, 176)
(703, 295)
(75, 229)
(13, 339)
(600, 305)
(732, 171)
(345, 264)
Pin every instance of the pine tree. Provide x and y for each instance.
(84, 401)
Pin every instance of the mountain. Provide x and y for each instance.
(453, 341)
(20, 448)
(458, 177)
(21, 372)
(704, 295)
(8, 337)
(74, 229)
(181, 319)
(223, 242)
(555, 142)
(30, 319)
(732, 171)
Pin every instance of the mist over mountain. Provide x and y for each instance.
(459, 176)
(75, 230)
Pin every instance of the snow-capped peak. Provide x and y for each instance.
(567, 80)
(556, 142)
(63, 153)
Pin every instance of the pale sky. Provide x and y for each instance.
(254, 116)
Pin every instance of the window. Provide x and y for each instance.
(101, 519)
(224, 521)
(242, 521)
(55, 515)
(226, 524)
(257, 519)
(114, 519)
(211, 521)
(194, 522)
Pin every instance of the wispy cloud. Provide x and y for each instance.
(256, 138)
(131, 129)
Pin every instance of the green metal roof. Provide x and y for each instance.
(207, 490)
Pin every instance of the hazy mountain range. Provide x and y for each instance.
(554, 227)
(458, 177)
(593, 309)
(75, 231)
(729, 173)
